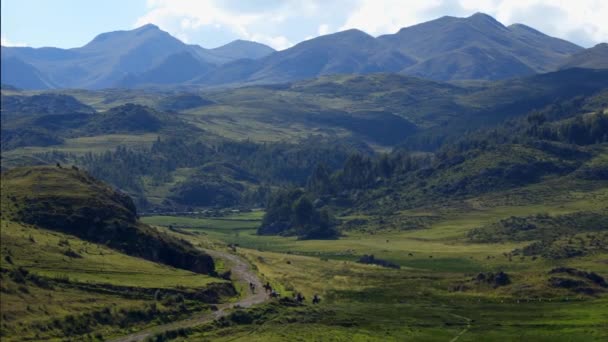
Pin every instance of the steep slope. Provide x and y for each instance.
(592, 58)
(477, 47)
(104, 60)
(350, 51)
(448, 48)
(112, 56)
(538, 50)
(175, 69)
(17, 73)
(73, 202)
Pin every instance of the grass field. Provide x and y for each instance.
(433, 296)
(231, 223)
(80, 146)
(370, 303)
(44, 252)
(442, 246)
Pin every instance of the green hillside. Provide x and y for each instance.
(155, 145)
(73, 202)
(76, 263)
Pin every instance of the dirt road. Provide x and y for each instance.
(240, 272)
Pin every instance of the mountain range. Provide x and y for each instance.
(115, 57)
(446, 49)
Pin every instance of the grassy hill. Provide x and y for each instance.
(162, 139)
(76, 263)
(73, 202)
(55, 285)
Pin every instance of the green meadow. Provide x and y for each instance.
(433, 296)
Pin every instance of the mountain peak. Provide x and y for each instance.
(481, 15)
(148, 27)
(484, 18)
(349, 34)
(240, 48)
(525, 28)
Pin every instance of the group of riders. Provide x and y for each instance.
(274, 294)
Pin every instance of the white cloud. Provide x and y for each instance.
(281, 23)
(388, 16)
(323, 29)
(581, 21)
(277, 42)
(6, 42)
(183, 18)
(180, 17)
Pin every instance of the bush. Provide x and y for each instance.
(241, 317)
(370, 259)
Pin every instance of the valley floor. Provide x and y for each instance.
(435, 295)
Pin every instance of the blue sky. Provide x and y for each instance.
(65, 23)
(280, 23)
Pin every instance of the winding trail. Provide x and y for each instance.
(463, 331)
(240, 272)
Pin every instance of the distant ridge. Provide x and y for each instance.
(477, 47)
(592, 58)
(110, 57)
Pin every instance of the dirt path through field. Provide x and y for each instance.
(240, 272)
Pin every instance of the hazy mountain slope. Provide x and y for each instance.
(17, 73)
(592, 58)
(175, 69)
(239, 49)
(470, 63)
(350, 51)
(448, 48)
(538, 50)
(235, 50)
(477, 47)
(111, 56)
(104, 60)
